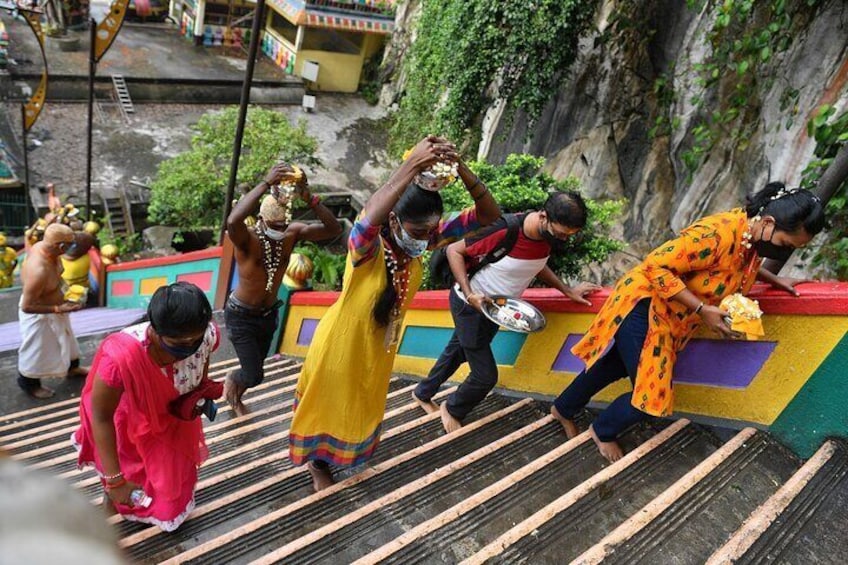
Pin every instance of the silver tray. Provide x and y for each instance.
(509, 313)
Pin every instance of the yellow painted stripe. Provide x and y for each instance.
(526, 527)
(646, 515)
(366, 474)
(149, 286)
(768, 512)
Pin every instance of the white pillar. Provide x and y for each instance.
(198, 19)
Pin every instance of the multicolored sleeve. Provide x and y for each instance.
(695, 249)
(362, 243)
(455, 226)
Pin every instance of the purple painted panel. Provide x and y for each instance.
(710, 362)
(722, 363)
(307, 330)
(565, 360)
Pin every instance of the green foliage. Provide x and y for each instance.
(189, 189)
(830, 135)
(329, 267)
(519, 185)
(127, 244)
(468, 53)
(746, 38)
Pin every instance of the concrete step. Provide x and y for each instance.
(699, 513)
(804, 522)
(507, 488)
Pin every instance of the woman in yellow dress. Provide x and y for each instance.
(657, 306)
(341, 393)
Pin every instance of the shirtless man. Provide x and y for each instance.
(48, 345)
(262, 256)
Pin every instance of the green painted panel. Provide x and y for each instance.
(428, 342)
(820, 409)
(168, 271)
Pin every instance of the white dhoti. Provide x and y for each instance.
(48, 345)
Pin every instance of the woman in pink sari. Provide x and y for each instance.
(139, 411)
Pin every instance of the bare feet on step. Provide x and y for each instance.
(40, 392)
(609, 449)
(232, 393)
(78, 372)
(427, 405)
(450, 423)
(571, 429)
(322, 477)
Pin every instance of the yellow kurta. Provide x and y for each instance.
(709, 259)
(341, 393)
(76, 270)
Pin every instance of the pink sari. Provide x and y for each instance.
(156, 450)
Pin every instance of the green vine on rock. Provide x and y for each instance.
(831, 134)
(745, 38)
(469, 53)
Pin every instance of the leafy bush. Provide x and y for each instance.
(831, 135)
(189, 189)
(519, 185)
(329, 266)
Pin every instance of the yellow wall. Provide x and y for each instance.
(793, 361)
(338, 72)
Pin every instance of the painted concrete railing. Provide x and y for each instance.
(794, 383)
(131, 284)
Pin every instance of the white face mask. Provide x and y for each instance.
(411, 246)
(273, 234)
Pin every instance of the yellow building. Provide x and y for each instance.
(334, 37)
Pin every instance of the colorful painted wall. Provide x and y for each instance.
(131, 284)
(794, 381)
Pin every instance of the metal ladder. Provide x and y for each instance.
(123, 97)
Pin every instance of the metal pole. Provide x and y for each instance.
(245, 99)
(92, 69)
(27, 200)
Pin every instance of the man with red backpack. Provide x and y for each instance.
(502, 259)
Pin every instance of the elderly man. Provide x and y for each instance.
(262, 255)
(48, 345)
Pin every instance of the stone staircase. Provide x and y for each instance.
(507, 488)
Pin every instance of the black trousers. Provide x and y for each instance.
(251, 337)
(472, 342)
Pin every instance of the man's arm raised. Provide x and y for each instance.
(236, 228)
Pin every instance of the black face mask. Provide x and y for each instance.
(769, 250)
(183, 351)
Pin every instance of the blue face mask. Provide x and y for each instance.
(71, 249)
(411, 246)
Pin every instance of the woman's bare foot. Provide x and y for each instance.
(40, 393)
(450, 423)
(78, 372)
(107, 506)
(427, 405)
(571, 429)
(322, 477)
(232, 393)
(609, 449)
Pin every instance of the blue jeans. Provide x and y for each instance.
(619, 362)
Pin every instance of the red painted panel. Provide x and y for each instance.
(203, 279)
(123, 288)
(210, 253)
(818, 298)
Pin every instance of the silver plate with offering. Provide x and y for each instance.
(514, 314)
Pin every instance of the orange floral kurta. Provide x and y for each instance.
(709, 259)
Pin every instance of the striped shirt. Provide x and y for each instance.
(362, 243)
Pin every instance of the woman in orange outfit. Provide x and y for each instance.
(657, 306)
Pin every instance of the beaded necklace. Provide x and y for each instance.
(271, 258)
(400, 281)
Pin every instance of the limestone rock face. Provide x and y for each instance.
(597, 126)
